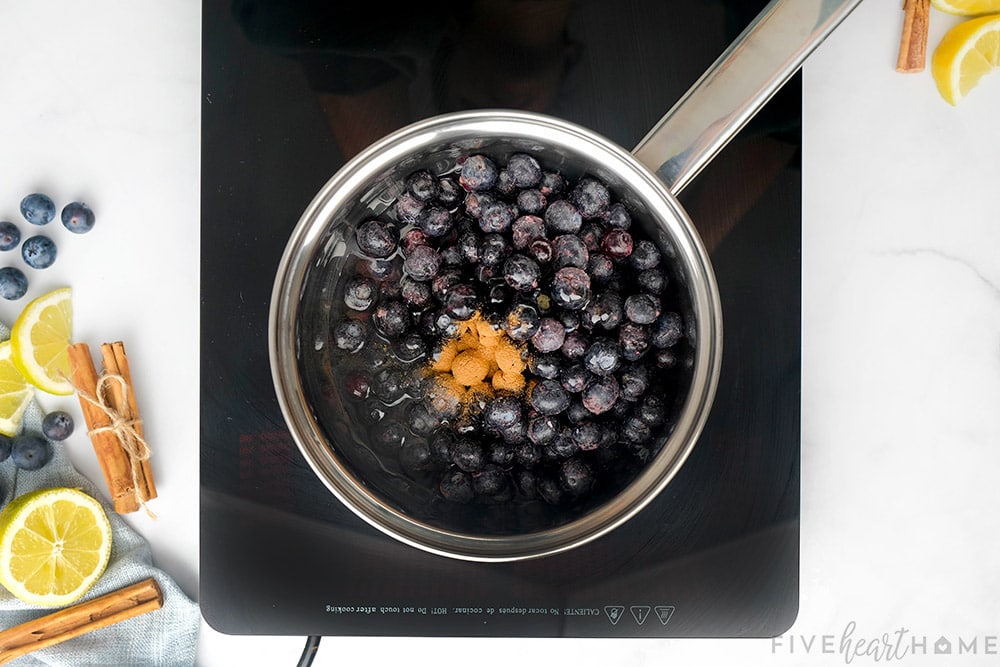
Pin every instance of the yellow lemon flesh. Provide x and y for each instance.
(54, 545)
(15, 392)
(40, 339)
(967, 7)
(966, 54)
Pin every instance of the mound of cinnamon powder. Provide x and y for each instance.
(479, 359)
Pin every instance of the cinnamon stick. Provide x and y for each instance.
(913, 41)
(115, 463)
(79, 619)
(116, 363)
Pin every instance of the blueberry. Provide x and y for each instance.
(391, 318)
(415, 294)
(502, 413)
(451, 256)
(10, 235)
(541, 250)
(665, 358)
(531, 201)
(652, 410)
(360, 293)
(542, 430)
(604, 310)
(377, 238)
(548, 397)
(546, 366)
(475, 202)
(562, 217)
(521, 272)
(350, 335)
(505, 184)
(617, 244)
(423, 263)
(524, 169)
(13, 283)
(478, 173)
(389, 384)
(603, 357)
(653, 281)
(468, 245)
(575, 477)
(456, 486)
(550, 335)
(588, 435)
(490, 481)
(667, 330)
(444, 281)
(634, 381)
(574, 345)
(440, 442)
(600, 268)
(419, 419)
(591, 197)
(57, 425)
(591, 233)
(549, 490)
(38, 209)
(435, 221)
(423, 185)
(618, 216)
(575, 378)
(569, 250)
(634, 341)
(467, 455)
(552, 183)
(6, 442)
(410, 346)
(77, 217)
(415, 455)
(521, 322)
(642, 308)
(571, 288)
(449, 192)
(493, 250)
(526, 229)
(645, 255)
(601, 394)
(635, 430)
(30, 451)
(461, 302)
(527, 455)
(39, 252)
(408, 208)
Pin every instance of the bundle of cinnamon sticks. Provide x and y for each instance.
(112, 416)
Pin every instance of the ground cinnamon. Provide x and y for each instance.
(479, 360)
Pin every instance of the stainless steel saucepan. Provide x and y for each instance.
(648, 179)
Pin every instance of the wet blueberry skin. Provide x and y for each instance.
(39, 252)
(13, 283)
(38, 209)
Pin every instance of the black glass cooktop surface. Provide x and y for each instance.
(291, 90)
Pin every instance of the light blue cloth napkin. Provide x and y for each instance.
(166, 637)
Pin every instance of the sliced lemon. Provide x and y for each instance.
(967, 7)
(54, 545)
(966, 54)
(40, 339)
(15, 392)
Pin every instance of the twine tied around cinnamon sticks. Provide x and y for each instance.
(113, 423)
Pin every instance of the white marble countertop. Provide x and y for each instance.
(901, 326)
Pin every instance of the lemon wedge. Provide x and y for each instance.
(15, 392)
(967, 7)
(40, 339)
(966, 54)
(54, 545)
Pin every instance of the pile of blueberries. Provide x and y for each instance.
(31, 451)
(38, 251)
(557, 265)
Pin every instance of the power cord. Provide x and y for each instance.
(309, 651)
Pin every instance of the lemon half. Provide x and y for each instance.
(967, 7)
(966, 54)
(40, 339)
(54, 545)
(15, 392)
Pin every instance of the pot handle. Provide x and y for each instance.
(765, 55)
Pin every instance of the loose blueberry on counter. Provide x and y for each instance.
(13, 283)
(6, 442)
(57, 425)
(10, 235)
(38, 209)
(77, 217)
(30, 451)
(39, 252)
